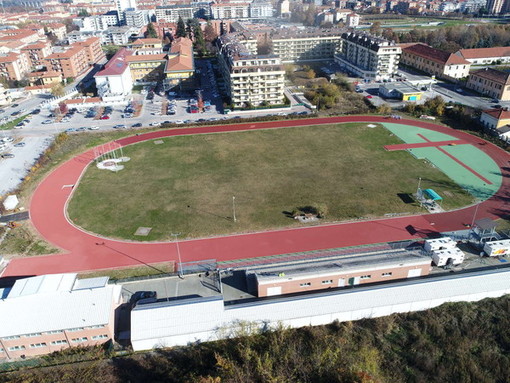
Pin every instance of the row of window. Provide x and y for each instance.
(56, 342)
(330, 281)
(35, 334)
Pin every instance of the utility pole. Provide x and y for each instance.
(234, 207)
(179, 272)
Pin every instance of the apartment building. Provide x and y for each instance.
(368, 56)
(171, 13)
(36, 52)
(76, 59)
(490, 82)
(146, 46)
(250, 79)
(484, 56)
(21, 36)
(136, 18)
(57, 29)
(52, 312)
(14, 66)
(230, 10)
(434, 62)
(310, 44)
(261, 9)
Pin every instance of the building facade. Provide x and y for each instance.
(250, 80)
(495, 118)
(57, 311)
(485, 56)
(490, 82)
(370, 57)
(435, 62)
(14, 66)
(115, 81)
(230, 10)
(306, 45)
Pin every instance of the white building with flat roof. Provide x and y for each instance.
(50, 312)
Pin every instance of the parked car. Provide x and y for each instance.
(19, 145)
(94, 128)
(14, 105)
(7, 139)
(104, 117)
(7, 155)
(47, 122)
(137, 125)
(36, 111)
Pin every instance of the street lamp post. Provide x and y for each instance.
(178, 254)
(234, 207)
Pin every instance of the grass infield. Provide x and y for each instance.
(186, 184)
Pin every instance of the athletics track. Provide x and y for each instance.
(84, 251)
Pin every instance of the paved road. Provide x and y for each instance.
(86, 251)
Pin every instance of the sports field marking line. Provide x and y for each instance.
(465, 166)
(427, 144)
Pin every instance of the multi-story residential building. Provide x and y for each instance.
(230, 10)
(121, 6)
(494, 7)
(114, 81)
(76, 59)
(98, 22)
(434, 62)
(57, 29)
(53, 312)
(310, 44)
(14, 66)
(136, 18)
(352, 20)
(484, 56)
(490, 82)
(147, 68)
(171, 13)
(20, 36)
(368, 56)
(116, 35)
(261, 9)
(250, 79)
(36, 52)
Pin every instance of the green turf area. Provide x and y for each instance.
(187, 183)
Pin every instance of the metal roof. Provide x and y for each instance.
(45, 304)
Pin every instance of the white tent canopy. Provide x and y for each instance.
(11, 202)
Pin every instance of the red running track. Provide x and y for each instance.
(84, 251)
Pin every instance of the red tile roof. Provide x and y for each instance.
(117, 64)
(480, 53)
(436, 55)
(499, 114)
(492, 74)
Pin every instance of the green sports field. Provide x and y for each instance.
(186, 184)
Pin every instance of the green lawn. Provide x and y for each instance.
(186, 184)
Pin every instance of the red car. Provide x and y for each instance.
(104, 117)
(369, 96)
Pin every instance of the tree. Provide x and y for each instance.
(375, 28)
(83, 13)
(58, 90)
(151, 31)
(181, 28)
(209, 33)
(199, 42)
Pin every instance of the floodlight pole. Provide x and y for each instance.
(419, 184)
(179, 272)
(234, 207)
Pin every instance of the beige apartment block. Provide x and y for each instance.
(490, 82)
(51, 312)
(36, 52)
(14, 66)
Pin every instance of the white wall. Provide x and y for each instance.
(204, 319)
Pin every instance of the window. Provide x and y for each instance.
(57, 342)
(17, 348)
(327, 282)
(79, 340)
(38, 345)
(102, 336)
(76, 329)
(305, 284)
(11, 337)
(34, 334)
(56, 332)
(97, 326)
(365, 277)
(388, 274)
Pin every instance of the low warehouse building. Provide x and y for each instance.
(183, 321)
(50, 312)
(278, 280)
(400, 90)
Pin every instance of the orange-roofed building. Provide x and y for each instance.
(36, 52)
(57, 29)
(434, 62)
(180, 64)
(495, 118)
(14, 66)
(45, 78)
(481, 56)
(147, 67)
